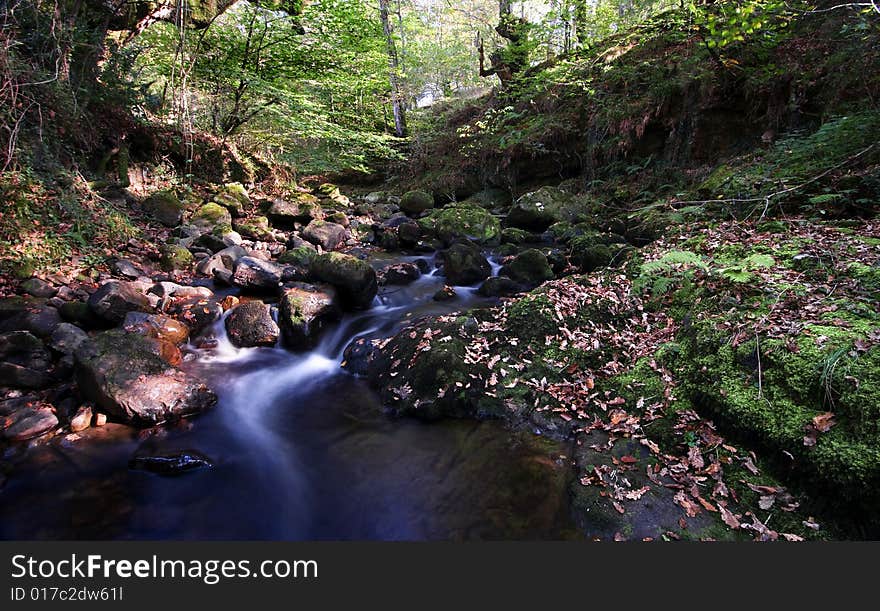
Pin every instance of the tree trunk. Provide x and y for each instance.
(393, 72)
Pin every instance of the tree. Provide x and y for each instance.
(397, 99)
(509, 61)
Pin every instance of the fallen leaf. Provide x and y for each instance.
(766, 502)
(728, 517)
(824, 422)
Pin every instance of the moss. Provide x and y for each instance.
(512, 235)
(530, 268)
(416, 202)
(256, 228)
(589, 256)
(234, 197)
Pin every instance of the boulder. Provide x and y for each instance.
(24, 361)
(537, 210)
(165, 207)
(125, 375)
(305, 311)
(400, 274)
(30, 421)
(157, 326)
(210, 216)
(300, 256)
(328, 236)
(299, 208)
(175, 257)
(113, 300)
(462, 221)
(234, 197)
(250, 325)
(127, 269)
(223, 260)
(197, 313)
(529, 268)
(464, 264)
(256, 228)
(414, 203)
(499, 286)
(409, 233)
(38, 288)
(354, 279)
(67, 338)
(253, 274)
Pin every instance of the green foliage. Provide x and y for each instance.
(674, 267)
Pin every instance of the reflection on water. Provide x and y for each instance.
(301, 450)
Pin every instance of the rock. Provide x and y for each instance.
(464, 264)
(400, 274)
(67, 338)
(79, 312)
(340, 218)
(210, 216)
(171, 289)
(512, 235)
(156, 326)
(165, 207)
(256, 275)
(328, 236)
(211, 241)
(409, 233)
(127, 269)
(462, 221)
(354, 279)
(447, 293)
(171, 464)
(124, 375)
(529, 268)
(223, 260)
(29, 422)
(229, 302)
(590, 257)
(234, 197)
(113, 300)
(250, 325)
(100, 419)
(490, 199)
(499, 286)
(305, 311)
(375, 197)
(537, 210)
(175, 258)
(82, 419)
(301, 256)
(414, 203)
(24, 361)
(197, 313)
(256, 228)
(38, 288)
(358, 356)
(299, 208)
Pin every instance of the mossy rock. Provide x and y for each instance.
(530, 268)
(512, 235)
(532, 317)
(175, 257)
(538, 210)
(414, 203)
(589, 256)
(256, 228)
(165, 207)
(211, 215)
(301, 256)
(234, 197)
(462, 221)
(355, 280)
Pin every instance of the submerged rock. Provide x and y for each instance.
(171, 464)
(250, 325)
(354, 279)
(125, 375)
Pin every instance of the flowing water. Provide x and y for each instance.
(301, 450)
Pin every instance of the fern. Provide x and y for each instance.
(666, 272)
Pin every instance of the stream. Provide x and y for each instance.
(301, 450)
